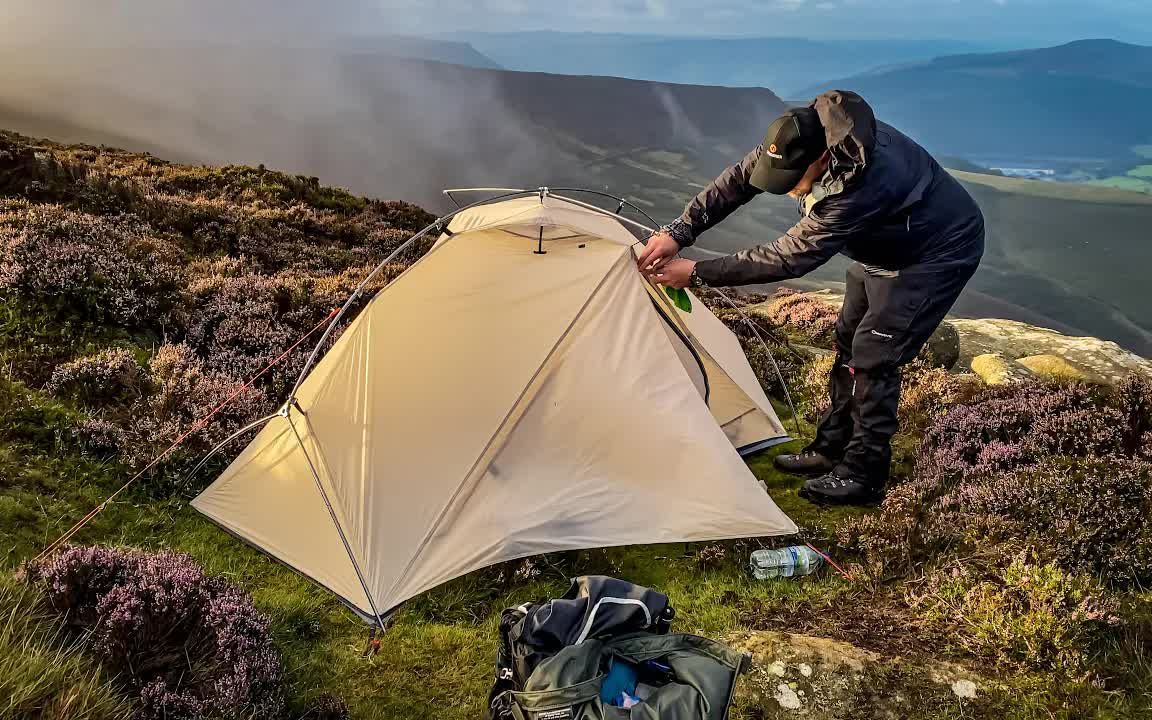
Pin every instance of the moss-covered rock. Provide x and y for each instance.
(1054, 367)
(1104, 360)
(993, 369)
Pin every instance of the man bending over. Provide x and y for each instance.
(868, 191)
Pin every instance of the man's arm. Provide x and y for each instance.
(717, 201)
(809, 244)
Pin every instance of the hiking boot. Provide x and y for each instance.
(808, 462)
(833, 489)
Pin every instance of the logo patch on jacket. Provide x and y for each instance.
(564, 714)
(883, 336)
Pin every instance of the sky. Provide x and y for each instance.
(1007, 22)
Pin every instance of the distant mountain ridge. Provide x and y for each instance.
(1099, 59)
(784, 64)
(421, 48)
(1085, 99)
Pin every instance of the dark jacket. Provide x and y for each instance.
(884, 202)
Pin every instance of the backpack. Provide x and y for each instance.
(554, 658)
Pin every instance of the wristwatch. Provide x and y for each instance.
(694, 279)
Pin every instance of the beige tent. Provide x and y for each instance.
(519, 390)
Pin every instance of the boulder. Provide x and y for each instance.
(994, 369)
(943, 348)
(795, 676)
(1101, 360)
(1054, 367)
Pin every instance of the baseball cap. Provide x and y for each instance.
(794, 141)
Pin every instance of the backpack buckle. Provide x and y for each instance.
(504, 674)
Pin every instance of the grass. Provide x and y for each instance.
(439, 652)
(44, 487)
(43, 677)
(1088, 193)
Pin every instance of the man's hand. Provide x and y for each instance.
(676, 273)
(660, 248)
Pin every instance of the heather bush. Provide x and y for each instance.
(101, 270)
(186, 644)
(181, 391)
(241, 322)
(109, 376)
(802, 314)
(1049, 465)
(185, 390)
(1028, 614)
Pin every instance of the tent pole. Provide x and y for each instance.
(220, 446)
(335, 521)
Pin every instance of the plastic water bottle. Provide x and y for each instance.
(785, 562)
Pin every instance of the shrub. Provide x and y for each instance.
(186, 644)
(98, 269)
(1056, 466)
(184, 391)
(180, 392)
(109, 376)
(241, 322)
(802, 314)
(1029, 614)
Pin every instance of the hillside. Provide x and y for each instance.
(394, 127)
(136, 293)
(1084, 102)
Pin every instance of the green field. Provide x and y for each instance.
(1124, 182)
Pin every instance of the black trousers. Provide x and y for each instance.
(887, 318)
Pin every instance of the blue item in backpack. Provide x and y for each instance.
(621, 679)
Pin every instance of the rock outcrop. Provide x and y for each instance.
(999, 351)
(794, 676)
(1048, 353)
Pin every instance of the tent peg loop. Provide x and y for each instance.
(372, 647)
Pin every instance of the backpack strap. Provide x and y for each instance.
(499, 697)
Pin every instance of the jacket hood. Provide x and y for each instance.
(850, 130)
